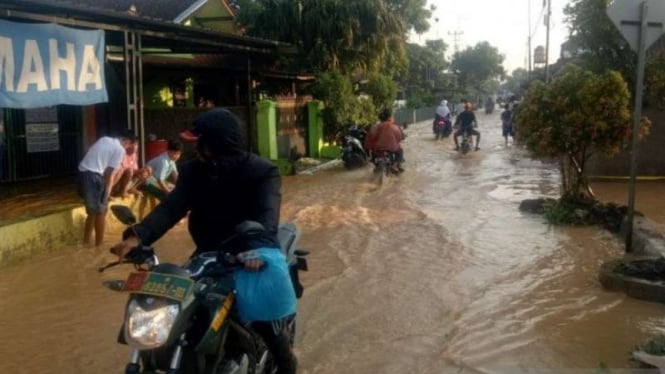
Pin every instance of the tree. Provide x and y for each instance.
(413, 13)
(601, 47)
(476, 65)
(596, 39)
(381, 89)
(517, 81)
(578, 114)
(342, 106)
(426, 79)
(341, 35)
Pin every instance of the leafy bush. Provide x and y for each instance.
(578, 114)
(655, 346)
(558, 213)
(382, 89)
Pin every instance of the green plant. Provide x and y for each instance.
(578, 114)
(655, 346)
(381, 89)
(558, 212)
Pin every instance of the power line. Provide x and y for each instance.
(538, 21)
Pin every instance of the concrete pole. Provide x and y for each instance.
(529, 51)
(547, 44)
(641, 62)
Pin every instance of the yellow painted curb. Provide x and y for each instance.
(639, 178)
(23, 238)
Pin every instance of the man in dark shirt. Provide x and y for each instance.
(466, 122)
(507, 124)
(223, 188)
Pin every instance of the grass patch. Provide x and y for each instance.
(559, 212)
(654, 346)
(577, 212)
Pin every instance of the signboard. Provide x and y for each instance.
(42, 65)
(539, 55)
(625, 14)
(42, 132)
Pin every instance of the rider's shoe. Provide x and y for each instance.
(477, 148)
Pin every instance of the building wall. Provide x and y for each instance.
(167, 123)
(651, 153)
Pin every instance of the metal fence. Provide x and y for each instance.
(21, 163)
(410, 116)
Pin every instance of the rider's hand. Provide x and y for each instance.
(121, 249)
(251, 260)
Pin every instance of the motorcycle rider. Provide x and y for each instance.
(466, 122)
(442, 113)
(386, 136)
(222, 188)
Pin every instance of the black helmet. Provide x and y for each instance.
(217, 130)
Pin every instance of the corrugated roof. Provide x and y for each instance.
(156, 33)
(166, 10)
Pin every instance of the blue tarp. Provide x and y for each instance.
(42, 65)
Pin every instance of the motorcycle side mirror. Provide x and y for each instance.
(249, 228)
(123, 214)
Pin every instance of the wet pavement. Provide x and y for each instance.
(435, 271)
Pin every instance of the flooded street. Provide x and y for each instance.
(435, 271)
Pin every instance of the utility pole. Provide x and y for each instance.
(456, 37)
(547, 45)
(529, 51)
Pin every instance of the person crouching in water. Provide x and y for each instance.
(386, 136)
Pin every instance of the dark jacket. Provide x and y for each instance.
(245, 187)
(466, 120)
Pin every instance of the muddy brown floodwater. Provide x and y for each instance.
(436, 271)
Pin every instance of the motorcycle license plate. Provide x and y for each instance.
(156, 284)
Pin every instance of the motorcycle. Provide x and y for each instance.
(353, 153)
(385, 165)
(183, 319)
(467, 142)
(442, 128)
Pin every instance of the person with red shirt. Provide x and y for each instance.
(386, 136)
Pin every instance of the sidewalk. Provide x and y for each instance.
(41, 216)
(32, 199)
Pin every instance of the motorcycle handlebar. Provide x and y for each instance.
(137, 256)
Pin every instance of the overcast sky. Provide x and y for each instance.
(503, 23)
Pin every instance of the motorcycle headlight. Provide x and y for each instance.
(149, 329)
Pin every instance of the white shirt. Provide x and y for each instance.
(442, 111)
(106, 153)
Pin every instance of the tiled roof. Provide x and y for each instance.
(166, 10)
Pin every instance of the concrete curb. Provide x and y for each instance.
(636, 288)
(648, 243)
(648, 237)
(22, 239)
(323, 166)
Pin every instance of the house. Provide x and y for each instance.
(150, 52)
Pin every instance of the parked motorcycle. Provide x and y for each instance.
(353, 153)
(183, 319)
